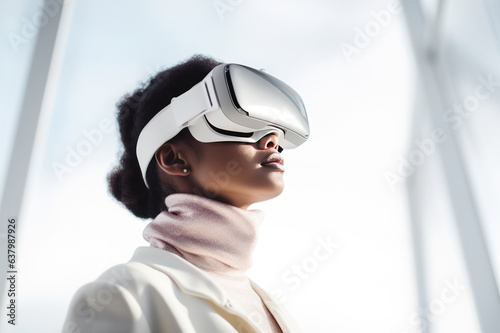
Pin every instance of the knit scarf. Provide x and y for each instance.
(212, 235)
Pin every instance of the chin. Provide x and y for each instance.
(273, 191)
(264, 188)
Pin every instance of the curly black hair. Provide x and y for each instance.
(135, 110)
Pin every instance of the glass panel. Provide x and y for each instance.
(19, 29)
(446, 302)
(472, 58)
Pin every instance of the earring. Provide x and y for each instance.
(185, 170)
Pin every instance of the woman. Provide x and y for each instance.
(194, 164)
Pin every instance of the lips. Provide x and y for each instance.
(274, 161)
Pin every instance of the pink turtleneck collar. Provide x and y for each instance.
(212, 235)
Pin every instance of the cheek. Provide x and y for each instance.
(224, 162)
(233, 156)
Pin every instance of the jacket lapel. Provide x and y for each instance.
(283, 318)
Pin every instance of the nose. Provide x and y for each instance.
(269, 141)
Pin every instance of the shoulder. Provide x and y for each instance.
(118, 300)
(156, 291)
(131, 276)
(100, 302)
(148, 267)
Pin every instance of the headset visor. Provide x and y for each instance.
(262, 97)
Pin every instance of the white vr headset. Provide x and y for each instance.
(232, 103)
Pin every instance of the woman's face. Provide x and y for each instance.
(236, 173)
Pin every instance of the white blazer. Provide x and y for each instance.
(158, 291)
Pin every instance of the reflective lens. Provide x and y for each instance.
(263, 97)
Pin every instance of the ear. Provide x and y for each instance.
(171, 159)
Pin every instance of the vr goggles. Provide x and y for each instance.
(232, 103)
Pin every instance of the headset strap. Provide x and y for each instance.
(180, 113)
